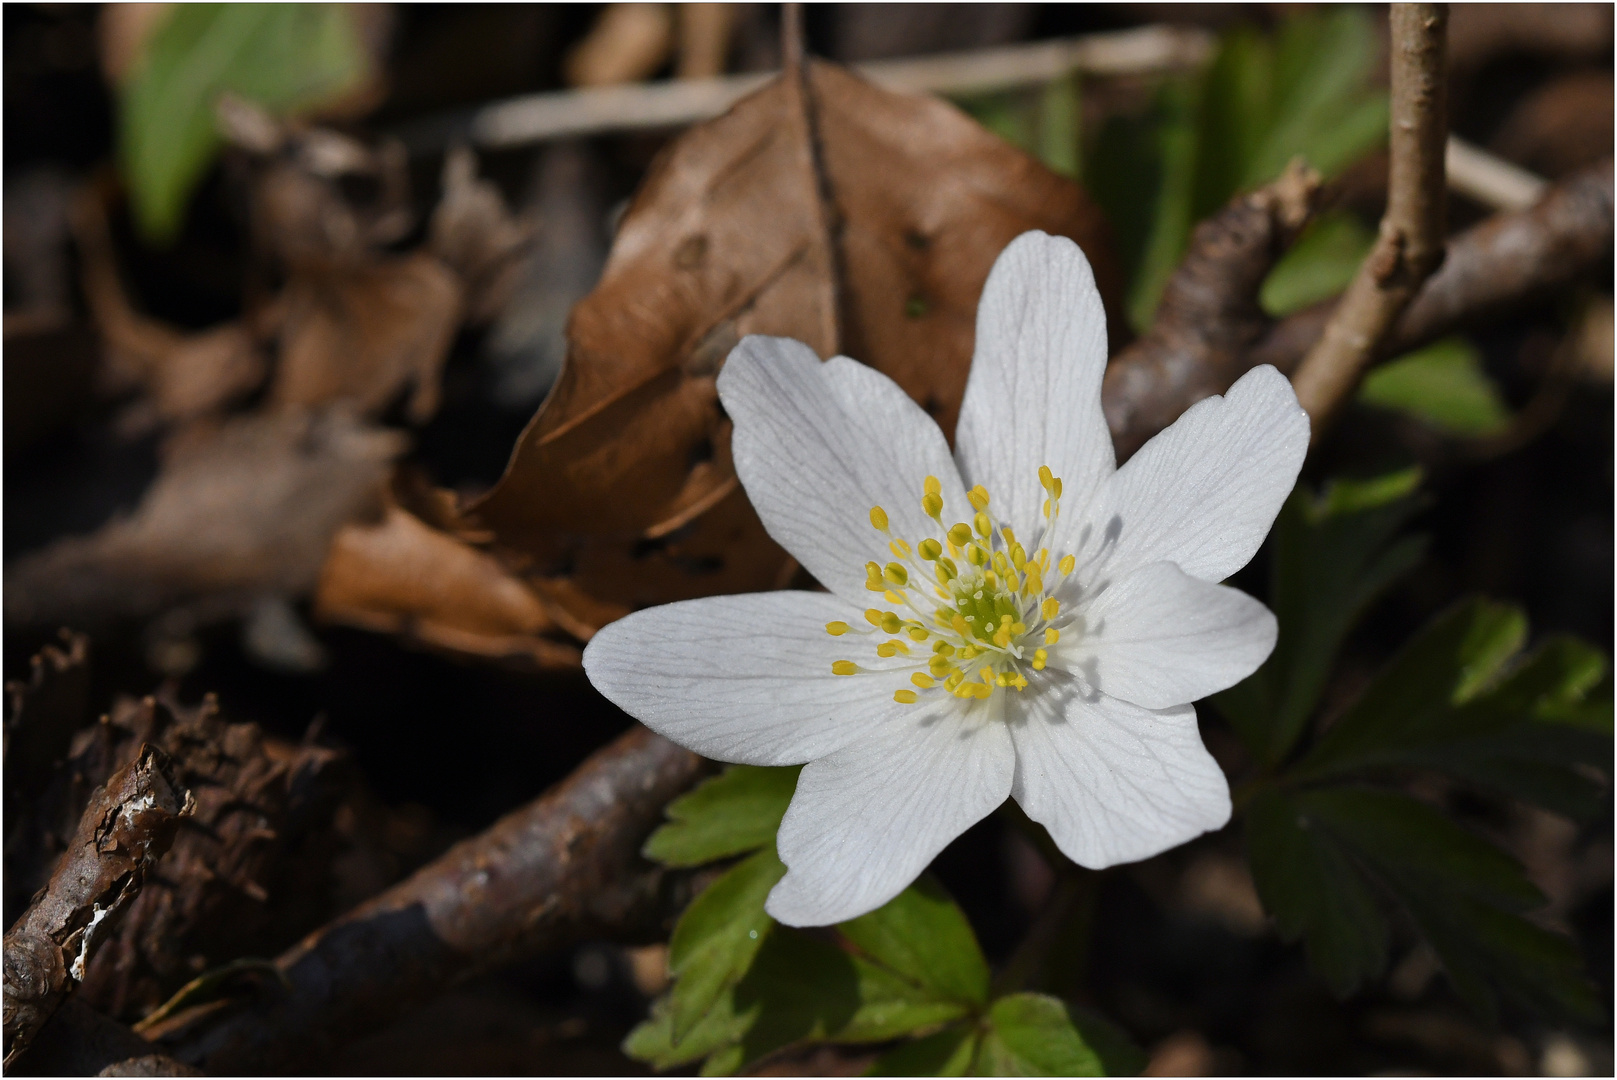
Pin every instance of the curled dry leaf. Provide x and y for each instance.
(363, 334)
(401, 576)
(475, 233)
(238, 510)
(821, 208)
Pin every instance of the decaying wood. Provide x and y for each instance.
(1209, 316)
(128, 824)
(561, 869)
(1410, 243)
(79, 1041)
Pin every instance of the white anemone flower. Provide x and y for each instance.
(1021, 618)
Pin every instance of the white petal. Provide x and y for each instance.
(817, 445)
(743, 678)
(1204, 493)
(1033, 397)
(1160, 638)
(867, 820)
(1112, 782)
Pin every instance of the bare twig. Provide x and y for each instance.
(1209, 316)
(649, 106)
(563, 868)
(79, 1041)
(127, 826)
(1410, 244)
(1490, 180)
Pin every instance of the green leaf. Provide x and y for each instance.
(1309, 884)
(717, 938)
(1465, 895)
(1060, 114)
(284, 57)
(1443, 385)
(950, 1052)
(1037, 1035)
(1318, 266)
(1410, 702)
(1333, 555)
(731, 814)
(925, 937)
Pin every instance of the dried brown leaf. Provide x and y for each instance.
(475, 233)
(239, 510)
(363, 334)
(821, 208)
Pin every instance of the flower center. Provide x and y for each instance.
(971, 612)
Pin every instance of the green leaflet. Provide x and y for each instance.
(717, 938)
(1333, 555)
(284, 57)
(731, 814)
(950, 1052)
(1037, 1035)
(1442, 384)
(1318, 266)
(923, 936)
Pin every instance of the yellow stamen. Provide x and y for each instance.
(896, 574)
(890, 622)
(978, 497)
(904, 697)
(1050, 608)
(892, 648)
(899, 548)
(918, 634)
(1039, 657)
(878, 518)
(873, 616)
(987, 674)
(929, 549)
(892, 597)
(836, 629)
(939, 666)
(960, 534)
(844, 667)
(925, 682)
(1067, 563)
(985, 525)
(1051, 636)
(1046, 477)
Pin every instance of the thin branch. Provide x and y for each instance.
(535, 118)
(1492, 181)
(564, 868)
(128, 824)
(1410, 244)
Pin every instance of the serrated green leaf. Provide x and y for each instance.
(1411, 700)
(1309, 884)
(950, 1052)
(719, 1029)
(1465, 895)
(717, 938)
(1038, 1035)
(732, 814)
(1442, 384)
(924, 936)
(1333, 555)
(284, 57)
(1318, 266)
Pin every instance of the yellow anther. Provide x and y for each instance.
(942, 648)
(931, 486)
(932, 506)
(949, 564)
(960, 626)
(1047, 479)
(982, 692)
(904, 697)
(1043, 558)
(929, 549)
(1012, 582)
(1018, 628)
(873, 616)
(978, 497)
(892, 597)
(954, 680)
(976, 555)
(878, 518)
(896, 574)
(1051, 635)
(1047, 508)
(873, 580)
(1005, 620)
(1018, 555)
(890, 622)
(836, 629)
(1067, 563)
(1001, 563)
(1039, 657)
(844, 667)
(925, 682)
(1002, 639)
(1005, 531)
(960, 534)
(1057, 491)
(918, 634)
(892, 648)
(991, 578)
(939, 666)
(942, 594)
(1021, 681)
(899, 548)
(985, 525)
(987, 675)
(1002, 679)
(1050, 608)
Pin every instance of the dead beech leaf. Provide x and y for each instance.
(821, 208)
(401, 576)
(239, 510)
(362, 334)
